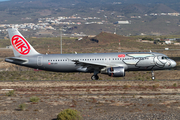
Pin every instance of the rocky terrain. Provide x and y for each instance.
(96, 100)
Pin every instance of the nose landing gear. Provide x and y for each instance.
(153, 77)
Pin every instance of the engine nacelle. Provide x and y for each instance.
(116, 72)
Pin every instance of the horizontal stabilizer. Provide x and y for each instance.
(16, 60)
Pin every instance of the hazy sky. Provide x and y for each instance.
(3, 0)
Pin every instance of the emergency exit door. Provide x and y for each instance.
(40, 60)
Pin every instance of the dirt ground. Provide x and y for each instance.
(96, 100)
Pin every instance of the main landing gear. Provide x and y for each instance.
(95, 76)
(153, 77)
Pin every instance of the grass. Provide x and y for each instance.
(155, 86)
(22, 106)
(69, 114)
(10, 93)
(126, 86)
(30, 75)
(34, 99)
(174, 85)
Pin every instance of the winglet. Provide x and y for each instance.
(21, 46)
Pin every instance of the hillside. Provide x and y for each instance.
(105, 37)
(161, 8)
(108, 12)
(103, 42)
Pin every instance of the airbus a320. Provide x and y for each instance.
(112, 64)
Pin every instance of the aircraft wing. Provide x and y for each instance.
(89, 66)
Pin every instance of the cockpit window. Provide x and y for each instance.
(164, 58)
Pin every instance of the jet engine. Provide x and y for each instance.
(116, 71)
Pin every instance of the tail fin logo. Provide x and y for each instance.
(20, 44)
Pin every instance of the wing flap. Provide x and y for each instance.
(90, 66)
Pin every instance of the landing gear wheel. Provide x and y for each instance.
(153, 78)
(95, 77)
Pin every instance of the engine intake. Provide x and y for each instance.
(116, 71)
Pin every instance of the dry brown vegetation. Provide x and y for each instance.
(97, 100)
(107, 42)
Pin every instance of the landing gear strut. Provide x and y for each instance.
(153, 77)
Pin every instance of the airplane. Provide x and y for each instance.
(112, 64)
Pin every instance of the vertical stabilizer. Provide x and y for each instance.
(21, 46)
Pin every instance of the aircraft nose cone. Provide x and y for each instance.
(173, 63)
